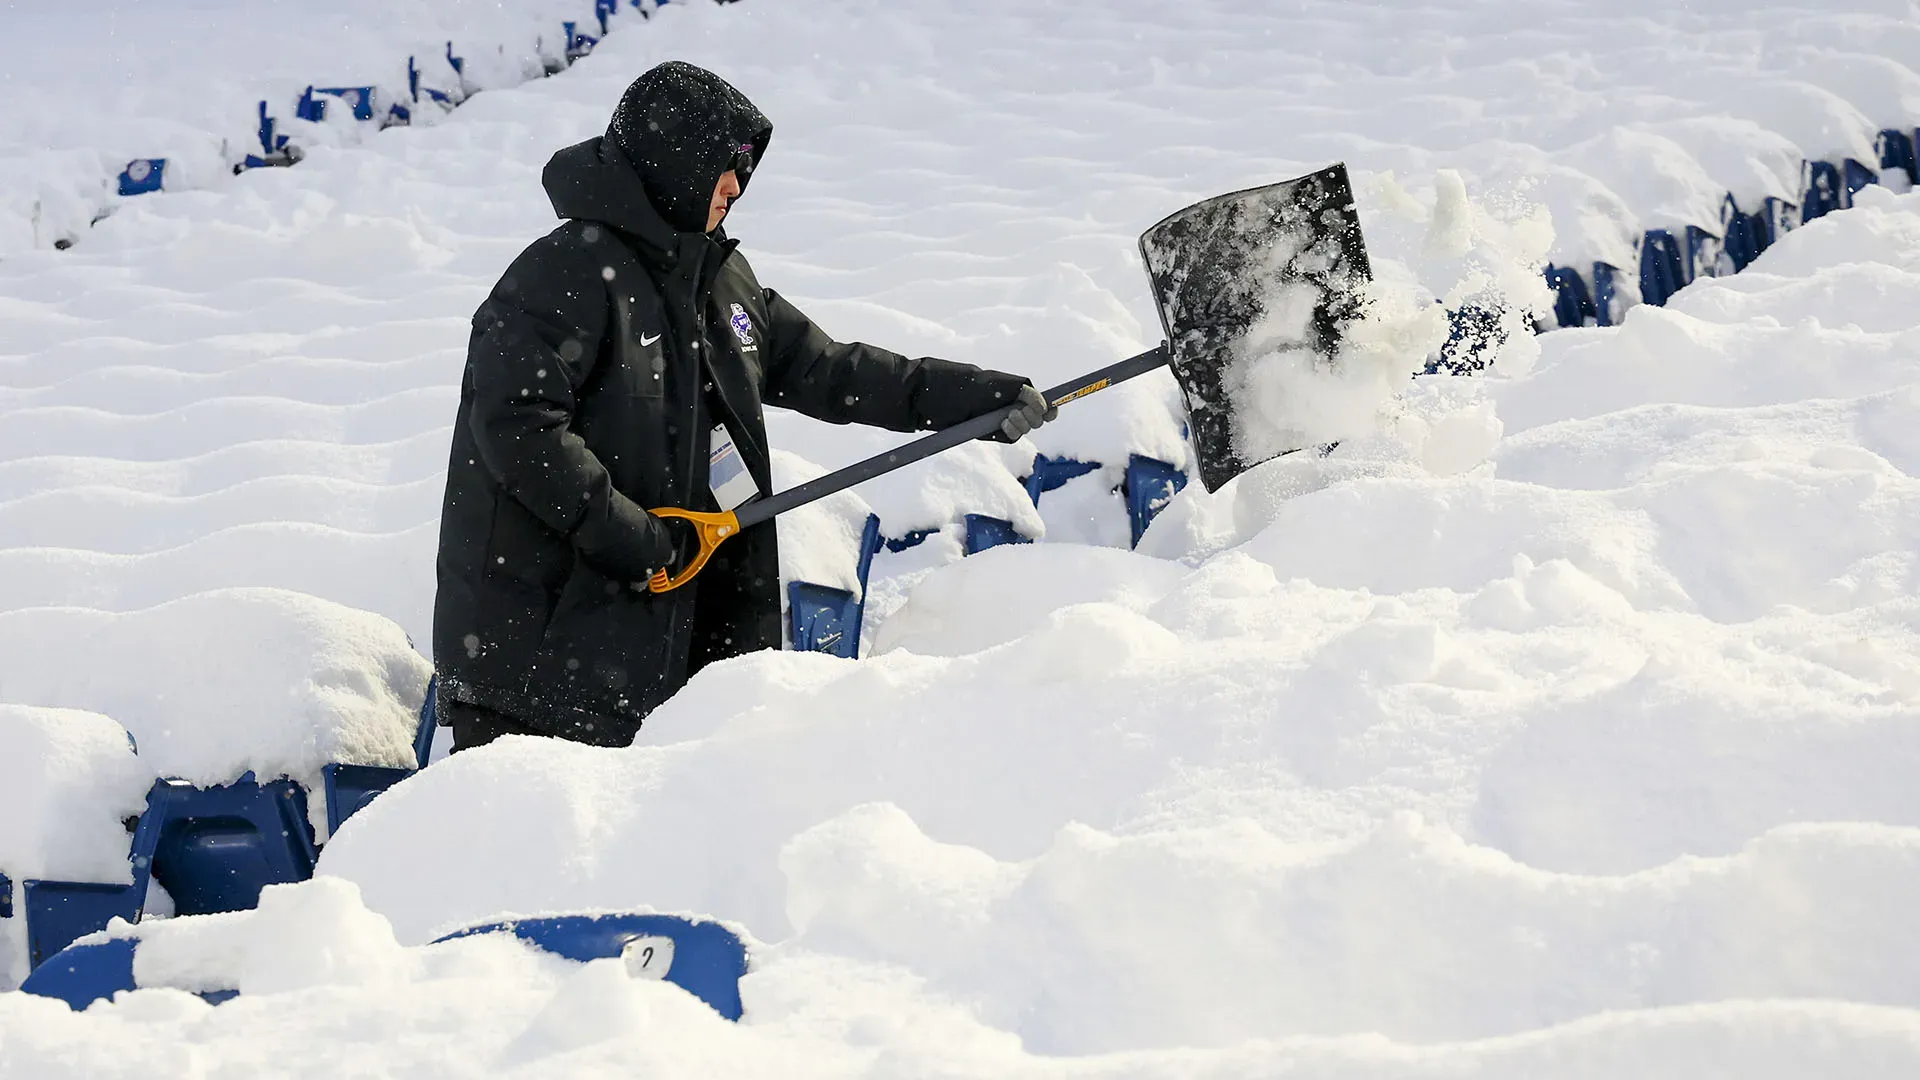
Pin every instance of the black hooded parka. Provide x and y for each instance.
(596, 370)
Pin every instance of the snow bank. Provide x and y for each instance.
(224, 682)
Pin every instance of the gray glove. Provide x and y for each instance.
(1029, 412)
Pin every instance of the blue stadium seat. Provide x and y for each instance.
(83, 974)
(212, 849)
(578, 44)
(1050, 473)
(1606, 294)
(1662, 267)
(913, 538)
(275, 149)
(985, 532)
(219, 846)
(415, 87)
(1705, 253)
(1572, 303)
(357, 98)
(143, 175)
(1823, 191)
(60, 911)
(1149, 485)
(312, 105)
(6, 897)
(1746, 235)
(350, 787)
(824, 619)
(1831, 187)
(1780, 218)
(701, 957)
(1855, 177)
(1896, 152)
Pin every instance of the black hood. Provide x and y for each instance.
(591, 181)
(678, 127)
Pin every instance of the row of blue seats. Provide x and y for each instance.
(367, 104)
(213, 849)
(827, 619)
(1670, 259)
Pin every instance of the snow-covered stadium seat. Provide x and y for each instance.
(1149, 485)
(1052, 473)
(704, 957)
(215, 691)
(701, 956)
(823, 618)
(1572, 303)
(984, 531)
(1896, 152)
(212, 849)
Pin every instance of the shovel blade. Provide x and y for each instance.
(1251, 279)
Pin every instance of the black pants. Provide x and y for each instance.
(477, 725)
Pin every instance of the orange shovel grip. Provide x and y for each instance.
(712, 528)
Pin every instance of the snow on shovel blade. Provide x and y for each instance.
(1248, 280)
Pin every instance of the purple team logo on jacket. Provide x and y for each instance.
(742, 326)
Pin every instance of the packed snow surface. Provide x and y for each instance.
(1562, 722)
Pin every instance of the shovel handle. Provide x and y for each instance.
(711, 528)
(717, 527)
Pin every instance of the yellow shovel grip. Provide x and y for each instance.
(712, 528)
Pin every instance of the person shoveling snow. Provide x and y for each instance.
(633, 342)
(622, 363)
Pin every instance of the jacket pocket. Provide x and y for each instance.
(521, 548)
(607, 646)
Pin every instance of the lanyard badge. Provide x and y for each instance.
(727, 473)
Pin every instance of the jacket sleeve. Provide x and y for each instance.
(854, 383)
(535, 342)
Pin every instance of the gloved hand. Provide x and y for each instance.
(1030, 411)
(686, 543)
(621, 541)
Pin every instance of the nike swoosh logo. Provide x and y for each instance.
(645, 340)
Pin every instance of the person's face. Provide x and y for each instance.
(724, 192)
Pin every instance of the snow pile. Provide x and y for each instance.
(225, 682)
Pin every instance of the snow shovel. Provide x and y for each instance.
(1238, 279)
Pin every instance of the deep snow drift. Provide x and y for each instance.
(1563, 722)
